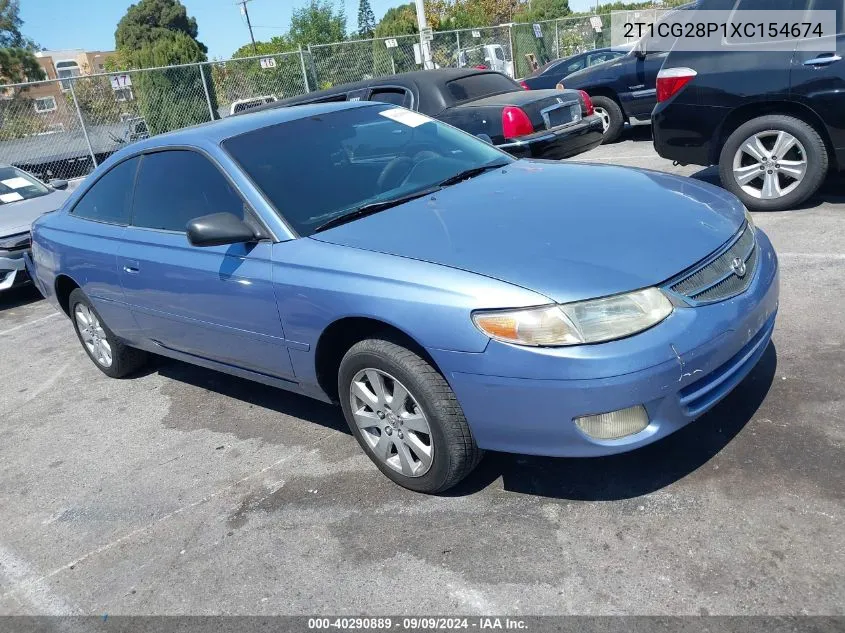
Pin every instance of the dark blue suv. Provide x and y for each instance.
(622, 90)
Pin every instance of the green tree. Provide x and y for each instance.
(540, 10)
(401, 20)
(18, 65)
(318, 22)
(156, 33)
(366, 19)
(149, 21)
(10, 27)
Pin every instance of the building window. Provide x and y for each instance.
(65, 70)
(123, 94)
(45, 104)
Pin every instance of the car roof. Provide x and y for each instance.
(430, 86)
(216, 132)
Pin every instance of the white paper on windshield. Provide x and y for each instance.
(406, 117)
(10, 197)
(16, 183)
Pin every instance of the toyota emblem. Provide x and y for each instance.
(738, 266)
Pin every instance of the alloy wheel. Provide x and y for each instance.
(92, 334)
(770, 164)
(392, 422)
(605, 118)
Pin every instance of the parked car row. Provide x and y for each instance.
(772, 120)
(551, 124)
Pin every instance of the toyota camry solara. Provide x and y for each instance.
(450, 298)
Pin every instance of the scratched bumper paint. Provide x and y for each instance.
(524, 400)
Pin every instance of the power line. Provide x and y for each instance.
(245, 12)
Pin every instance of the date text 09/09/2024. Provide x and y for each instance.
(416, 623)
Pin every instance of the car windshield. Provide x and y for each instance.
(16, 185)
(327, 165)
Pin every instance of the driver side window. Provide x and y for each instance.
(176, 186)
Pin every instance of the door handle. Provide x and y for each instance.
(132, 267)
(823, 60)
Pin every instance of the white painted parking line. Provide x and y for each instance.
(617, 158)
(813, 256)
(27, 583)
(31, 587)
(28, 324)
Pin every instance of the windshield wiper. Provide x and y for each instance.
(375, 207)
(472, 173)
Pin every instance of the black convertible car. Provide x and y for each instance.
(550, 124)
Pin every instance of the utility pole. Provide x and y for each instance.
(245, 11)
(425, 47)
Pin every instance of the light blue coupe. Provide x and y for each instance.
(450, 298)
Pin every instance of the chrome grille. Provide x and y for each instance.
(718, 280)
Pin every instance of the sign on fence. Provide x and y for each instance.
(391, 43)
(595, 22)
(427, 35)
(268, 62)
(119, 82)
(476, 33)
(538, 32)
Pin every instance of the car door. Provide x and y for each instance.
(95, 227)
(818, 78)
(213, 302)
(638, 83)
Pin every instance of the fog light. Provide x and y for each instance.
(614, 425)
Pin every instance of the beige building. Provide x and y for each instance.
(47, 98)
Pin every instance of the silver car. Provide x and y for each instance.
(23, 198)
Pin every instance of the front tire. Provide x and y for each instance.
(773, 163)
(612, 118)
(405, 416)
(111, 357)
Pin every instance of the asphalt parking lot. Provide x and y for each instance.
(184, 491)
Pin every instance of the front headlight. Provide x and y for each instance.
(592, 321)
(14, 241)
(749, 219)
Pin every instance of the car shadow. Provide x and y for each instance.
(248, 391)
(586, 479)
(19, 297)
(636, 473)
(832, 190)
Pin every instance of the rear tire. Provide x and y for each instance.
(611, 113)
(752, 170)
(421, 442)
(111, 357)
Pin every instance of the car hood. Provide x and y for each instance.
(566, 230)
(17, 217)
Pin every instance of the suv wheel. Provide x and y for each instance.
(773, 163)
(611, 117)
(405, 416)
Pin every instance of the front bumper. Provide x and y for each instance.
(562, 142)
(525, 400)
(12, 270)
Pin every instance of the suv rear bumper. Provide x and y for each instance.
(687, 133)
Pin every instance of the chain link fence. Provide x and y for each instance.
(64, 128)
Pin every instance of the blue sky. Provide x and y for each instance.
(61, 24)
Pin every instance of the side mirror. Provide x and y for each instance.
(218, 229)
(58, 183)
(485, 137)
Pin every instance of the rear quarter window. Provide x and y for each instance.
(109, 199)
(480, 86)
